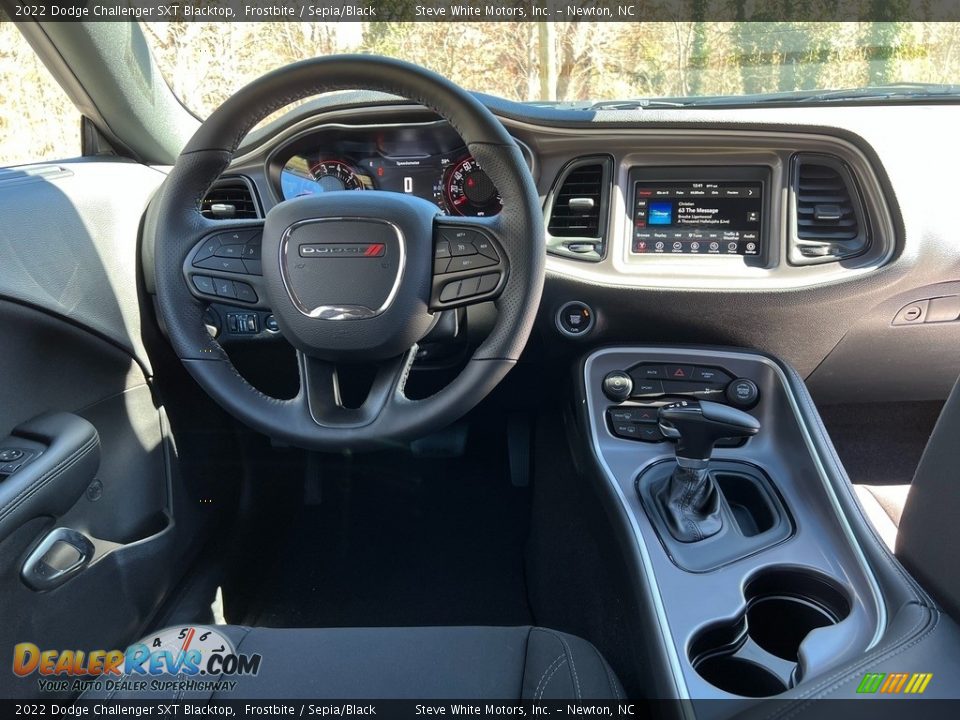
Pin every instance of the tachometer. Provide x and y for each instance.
(332, 175)
(468, 190)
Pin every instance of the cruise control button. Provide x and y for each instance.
(485, 248)
(441, 265)
(462, 248)
(470, 262)
(224, 288)
(441, 249)
(204, 284)
(225, 264)
(251, 251)
(245, 292)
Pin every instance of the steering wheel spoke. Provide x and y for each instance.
(320, 391)
(469, 263)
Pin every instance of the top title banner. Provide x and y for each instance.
(486, 11)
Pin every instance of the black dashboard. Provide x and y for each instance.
(815, 234)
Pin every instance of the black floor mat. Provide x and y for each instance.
(403, 541)
(881, 443)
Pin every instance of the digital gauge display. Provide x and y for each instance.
(432, 165)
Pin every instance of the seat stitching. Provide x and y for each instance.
(609, 672)
(569, 652)
(546, 670)
(240, 642)
(544, 689)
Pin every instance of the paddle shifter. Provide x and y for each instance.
(690, 499)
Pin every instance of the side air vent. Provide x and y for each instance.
(577, 209)
(230, 198)
(828, 222)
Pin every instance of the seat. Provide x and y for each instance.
(883, 506)
(528, 663)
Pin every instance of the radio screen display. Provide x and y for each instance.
(697, 218)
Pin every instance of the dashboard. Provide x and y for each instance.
(814, 233)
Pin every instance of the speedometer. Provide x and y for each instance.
(332, 175)
(468, 190)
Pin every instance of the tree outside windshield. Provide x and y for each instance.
(204, 63)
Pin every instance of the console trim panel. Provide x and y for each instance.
(870, 608)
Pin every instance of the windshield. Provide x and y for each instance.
(204, 63)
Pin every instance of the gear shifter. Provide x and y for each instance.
(690, 499)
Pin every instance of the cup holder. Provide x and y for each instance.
(757, 655)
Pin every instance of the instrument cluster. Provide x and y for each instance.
(428, 160)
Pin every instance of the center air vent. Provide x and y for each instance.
(828, 222)
(230, 199)
(577, 209)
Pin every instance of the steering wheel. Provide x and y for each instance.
(353, 276)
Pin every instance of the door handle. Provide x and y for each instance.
(62, 554)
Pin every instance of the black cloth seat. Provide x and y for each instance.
(503, 663)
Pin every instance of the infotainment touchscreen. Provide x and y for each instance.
(697, 218)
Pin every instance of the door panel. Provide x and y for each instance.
(71, 325)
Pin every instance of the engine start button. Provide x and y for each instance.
(575, 319)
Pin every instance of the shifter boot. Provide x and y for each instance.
(691, 504)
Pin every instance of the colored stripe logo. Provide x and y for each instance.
(894, 683)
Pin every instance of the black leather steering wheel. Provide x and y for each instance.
(351, 276)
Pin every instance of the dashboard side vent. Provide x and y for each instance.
(230, 198)
(827, 218)
(577, 209)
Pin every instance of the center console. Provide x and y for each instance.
(758, 583)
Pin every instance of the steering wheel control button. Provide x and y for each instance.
(245, 292)
(253, 267)
(207, 250)
(224, 288)
(575, 319)
(469, 262)
(451, 291)
(743, 393)
(488, 283)
(440, 265)
(441, 250)
(204, 284)
(233, 265)
(229, 251)
(617, 386)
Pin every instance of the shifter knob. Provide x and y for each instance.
(697, 426)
